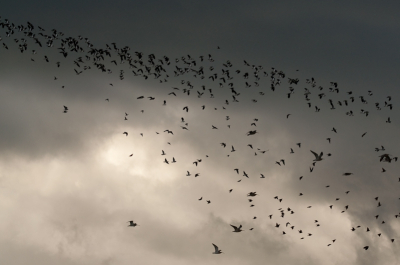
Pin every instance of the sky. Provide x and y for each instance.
(70, 182)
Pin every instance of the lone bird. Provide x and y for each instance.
(237, 229)
(132, 224)
(217, 251)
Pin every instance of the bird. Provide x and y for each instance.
(131, 223)
(385, 158)
(317, 157)
(65, 109)
(237, 229)
(217, 251)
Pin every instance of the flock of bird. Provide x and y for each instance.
(33, 40)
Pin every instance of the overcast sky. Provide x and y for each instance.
(69, 182)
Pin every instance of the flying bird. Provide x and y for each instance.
(131, 223)
(217, 251)
(237, 229)
(317, 157)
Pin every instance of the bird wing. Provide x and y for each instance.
(216, 248)
(315, 154)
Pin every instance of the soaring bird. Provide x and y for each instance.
(217, 251)
(385, 158)
(251, 132)
(237, 229)
(317, 157)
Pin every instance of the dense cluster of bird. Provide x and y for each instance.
(86, 56)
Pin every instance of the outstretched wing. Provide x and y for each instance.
(216, 248)
(316, 155)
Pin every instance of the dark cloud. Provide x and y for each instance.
(72, 171)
